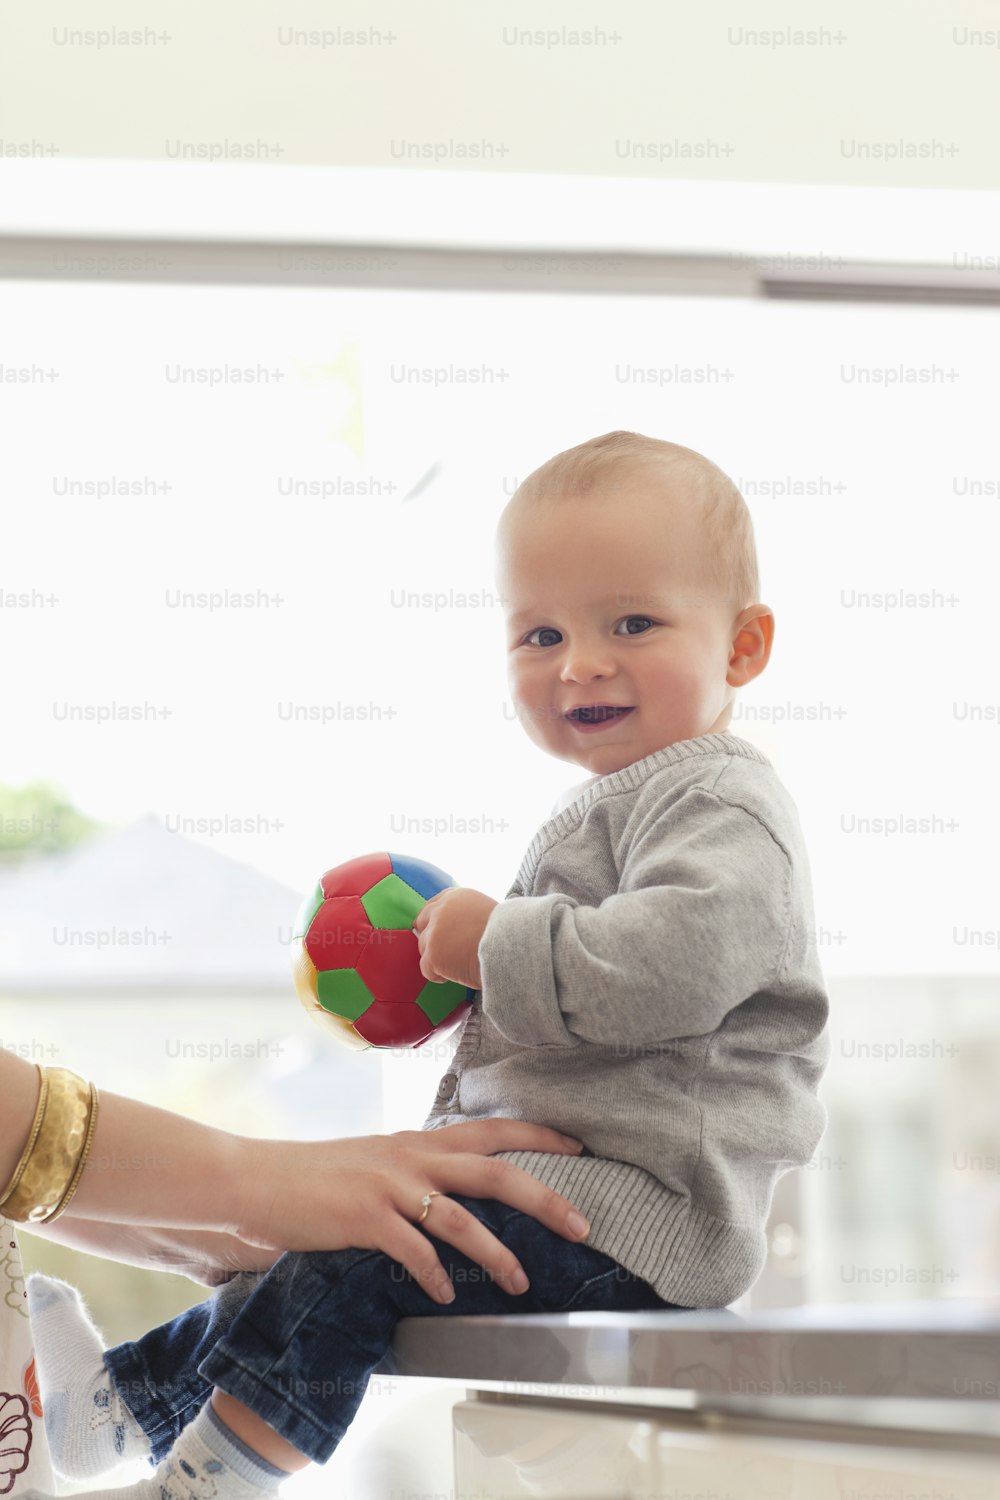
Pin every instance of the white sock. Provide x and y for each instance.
(89, 1428)
(207, 1462)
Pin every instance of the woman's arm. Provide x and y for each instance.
(152, 1168)
(146, 1165)
(203, 1255)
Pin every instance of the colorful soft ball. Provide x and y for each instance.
(356, 959)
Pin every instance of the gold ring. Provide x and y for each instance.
(426, 1201)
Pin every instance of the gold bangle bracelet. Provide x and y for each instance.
(53, 1164)
(29, 1145)
(84, 1155)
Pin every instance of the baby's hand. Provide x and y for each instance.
(448, 930)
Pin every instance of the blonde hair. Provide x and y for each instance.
(730, 550)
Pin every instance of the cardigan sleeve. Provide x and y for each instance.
(699, 924)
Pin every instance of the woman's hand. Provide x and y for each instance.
(449, 927)
(366, 1192)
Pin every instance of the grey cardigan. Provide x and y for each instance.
(651, 985)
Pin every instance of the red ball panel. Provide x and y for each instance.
(390, 965)
(339, 933)
(393, 1025)
(356, 876)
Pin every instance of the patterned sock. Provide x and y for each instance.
(89, 1428)
(207, 1462)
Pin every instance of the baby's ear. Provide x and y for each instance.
(752, 641)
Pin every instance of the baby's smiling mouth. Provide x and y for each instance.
(597, 713)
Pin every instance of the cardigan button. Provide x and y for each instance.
(447, 1086)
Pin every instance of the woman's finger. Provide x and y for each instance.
(496, 1134)
(451, 1222)
(486, 1177)
(413, 1250)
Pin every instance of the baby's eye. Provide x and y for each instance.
(541, 630)
(628, 620)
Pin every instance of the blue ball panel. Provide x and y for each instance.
(426, 879)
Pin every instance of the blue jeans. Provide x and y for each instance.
(297, 1344)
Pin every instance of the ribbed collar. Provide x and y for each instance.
(628, 779)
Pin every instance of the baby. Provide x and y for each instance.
(650, 985)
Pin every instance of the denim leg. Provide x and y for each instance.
(301, 1349)
(157, 1375)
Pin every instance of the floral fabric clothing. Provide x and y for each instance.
(24, 1453)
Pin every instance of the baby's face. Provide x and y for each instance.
(605, 602)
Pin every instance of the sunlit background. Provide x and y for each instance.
(217, 758)
(378, 614)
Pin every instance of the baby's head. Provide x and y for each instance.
(628, 574)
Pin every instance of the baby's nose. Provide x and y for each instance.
(583, 662)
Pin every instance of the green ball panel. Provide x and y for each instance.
(343, 992)
(392, 903)
(439, 1000)
(308, 910)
